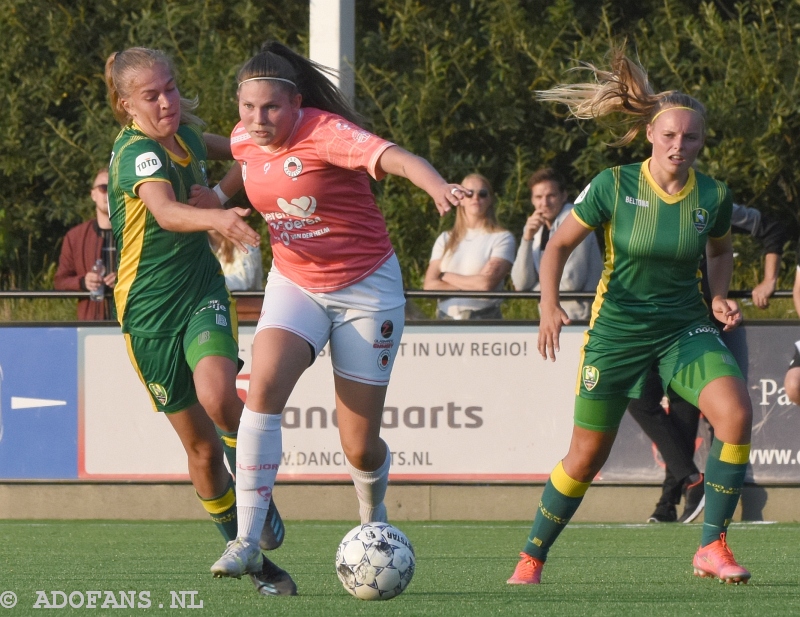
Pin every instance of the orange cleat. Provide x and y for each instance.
(527, 572)
(716, 560)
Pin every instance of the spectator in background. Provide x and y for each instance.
(792, 380)
(675, 433)
(585, 264)
(476, 255)
(83, 245)
(243, 272)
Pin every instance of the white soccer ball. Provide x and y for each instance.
(375, 561)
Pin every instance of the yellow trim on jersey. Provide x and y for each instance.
(136, 366)
(132, 243)
(608, 264)
(735, 454)
(663, 195)
(221, 504)
(143, 180)
(565, 485)
(580, 220)
(185, 161)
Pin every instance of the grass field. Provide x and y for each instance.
(461, 570)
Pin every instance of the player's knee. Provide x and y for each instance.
(224, 408)
(366, 457)
(205, 454)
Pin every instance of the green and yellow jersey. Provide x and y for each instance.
(162, 275)
(654, 242)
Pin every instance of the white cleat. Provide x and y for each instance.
(241, 557)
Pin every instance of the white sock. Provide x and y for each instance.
(258, 454)
(371, 489)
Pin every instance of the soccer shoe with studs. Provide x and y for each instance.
(273, 532)
(527, 572)
(273, 580)
(241, 557)
(716, 560)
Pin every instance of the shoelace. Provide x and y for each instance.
(724, 551)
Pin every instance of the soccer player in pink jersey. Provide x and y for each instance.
(305, 165)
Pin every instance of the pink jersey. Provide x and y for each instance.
(325, 229)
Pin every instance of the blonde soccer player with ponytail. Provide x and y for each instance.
(658, 217)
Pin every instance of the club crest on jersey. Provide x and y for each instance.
(158, 391)
(147, 164)
(590, 376)
(700, 219)
(292, 167)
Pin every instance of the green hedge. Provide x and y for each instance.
(449, 80)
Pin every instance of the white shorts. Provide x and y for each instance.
(364, 322)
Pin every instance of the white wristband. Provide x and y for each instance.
(222, 196)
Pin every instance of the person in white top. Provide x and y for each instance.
(243, 271)
(585, 264)
(476, 255)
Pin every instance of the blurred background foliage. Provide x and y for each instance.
(450, 80)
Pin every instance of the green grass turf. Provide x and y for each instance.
(461, 570)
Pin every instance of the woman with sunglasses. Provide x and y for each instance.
(476, 255)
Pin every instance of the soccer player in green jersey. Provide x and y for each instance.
(658, 217)
(176, 313)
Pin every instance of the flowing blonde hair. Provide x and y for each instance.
(490, 223)
(625, 89)
(122, 70)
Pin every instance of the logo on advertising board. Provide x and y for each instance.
(159, 392)
(700, 219)
(147, 164)
(590, 376)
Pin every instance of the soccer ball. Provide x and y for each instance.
(375, 561)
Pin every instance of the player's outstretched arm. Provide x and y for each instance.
(399, 162)
(551, 316)
(175, 216)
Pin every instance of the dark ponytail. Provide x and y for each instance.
(307, 77)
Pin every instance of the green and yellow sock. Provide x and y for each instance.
(223, 511)
(561, 497)
(229, 446)
(725, 469)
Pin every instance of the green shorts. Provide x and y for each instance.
(613, 372)
(166, 365)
